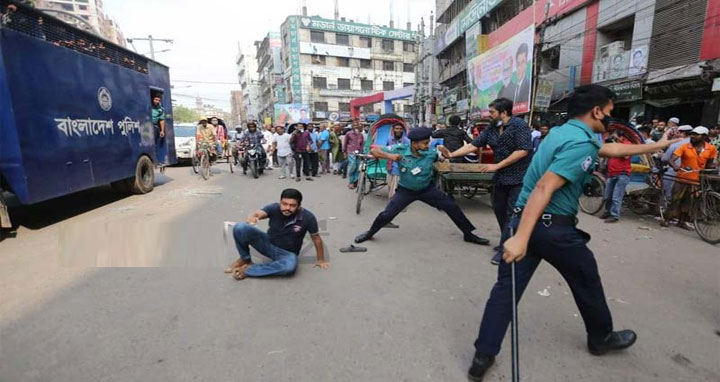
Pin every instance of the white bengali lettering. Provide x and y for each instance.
(91, 127)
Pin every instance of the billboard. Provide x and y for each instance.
(291, 113)
(503, 72)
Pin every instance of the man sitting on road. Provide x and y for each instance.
(289, 222)
(416, 173)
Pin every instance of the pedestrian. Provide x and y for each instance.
(510, 140)
(416, 183)
(644, 130)
(324, 148)
(453, 137)
(670, 174)
(694, 156)
(714, 137)
(658, 131)
(268, 146)
(158, 122)
(672, 125)
(398, 136)
(542, 130)
(313, 150)
(544, 225)
(288, 225)
(283, 151)
(336, 147)
(618, 177)
(300, 142)
(354, 143)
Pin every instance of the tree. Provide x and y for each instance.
(184, 114)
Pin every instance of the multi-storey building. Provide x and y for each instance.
(660, 56)
(270, 72)
(91, 11)
(235, 107)
(247, 78)
(328, 63)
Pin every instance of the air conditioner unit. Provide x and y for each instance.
(614, 48)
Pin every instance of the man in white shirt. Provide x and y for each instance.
(281, 145)
(268, 146)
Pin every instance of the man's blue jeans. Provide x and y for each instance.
(283, 262)
(614, 193)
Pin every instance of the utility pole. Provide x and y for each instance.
(431, 100)
(537, 62)
(150, 39)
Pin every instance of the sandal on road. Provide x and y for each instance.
(353, 248)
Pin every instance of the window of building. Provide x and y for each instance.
(82, 7)
(408, 84)
(366, 64)
(367, 109)
(67, 7)
(366, 84)
(388, 65)
(343, 62)
(342, 39)
(321, 106)
(388, 85)
(365, 42)
(316, 36)
(319, 83)
(408, 68)
(318, 60)
(388, 45)
(551, 59)
(344, 83)
(344, 106)
(408, 47)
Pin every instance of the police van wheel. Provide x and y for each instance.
(144, 179)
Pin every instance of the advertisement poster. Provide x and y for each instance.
(503, 72)
(291, 113)
(471, 41)
(543, 95)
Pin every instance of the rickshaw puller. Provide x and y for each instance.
(416, 173)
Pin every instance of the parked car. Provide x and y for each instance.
(185, 141)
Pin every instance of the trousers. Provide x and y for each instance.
(314, 163)
(302, 160)
(614, 193)
(283, 262)
(285, 163)
(565, 248)
(504, 199)
(430, 195)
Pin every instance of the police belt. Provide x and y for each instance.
(549, 219)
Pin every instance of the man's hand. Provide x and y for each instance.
(397, 158)
(489, 167)
(514, 249)
(162, 133)
(445, 152)
(665, 142)
(321, 264)
(252, 219)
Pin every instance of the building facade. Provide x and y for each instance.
(328, 63)
(247, 71)
(236, 100)
(270, 75)
(91, 11)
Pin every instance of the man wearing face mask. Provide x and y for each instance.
(511, 142)
(544, 225)
(416, 162)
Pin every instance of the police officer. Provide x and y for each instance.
(416, 171)
(544, 221)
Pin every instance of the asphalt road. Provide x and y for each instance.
(100, 287)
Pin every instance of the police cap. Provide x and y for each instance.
(420, 134)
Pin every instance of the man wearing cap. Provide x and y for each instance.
(670, 174)
(544, 226)
(672, 125)
(205, 136)
(416, 162)
(693, 156)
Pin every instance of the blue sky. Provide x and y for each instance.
(207, 33)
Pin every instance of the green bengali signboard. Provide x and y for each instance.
(295, 78)
(475, 11)
(317, 23)
(627, 91)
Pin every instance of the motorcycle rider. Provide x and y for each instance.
(252, 137)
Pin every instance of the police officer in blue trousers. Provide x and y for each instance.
(544, 222)
(416, 172)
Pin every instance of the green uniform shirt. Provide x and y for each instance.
(415, 172)
(158, 114)
(571, 151)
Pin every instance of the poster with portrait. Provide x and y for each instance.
(291, 113)
(504, 71)
(638, 61)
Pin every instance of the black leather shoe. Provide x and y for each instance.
(363, 237)
(481, 363)
(471, 238)
(614, 341)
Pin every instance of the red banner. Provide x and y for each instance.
(710, 47)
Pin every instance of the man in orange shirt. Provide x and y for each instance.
(694, 156)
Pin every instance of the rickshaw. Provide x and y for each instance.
(373, 172)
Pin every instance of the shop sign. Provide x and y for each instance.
(627, 91)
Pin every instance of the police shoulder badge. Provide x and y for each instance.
(587, 163)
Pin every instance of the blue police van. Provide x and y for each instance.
(75, 110)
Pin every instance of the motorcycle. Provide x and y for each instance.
(254, 158)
